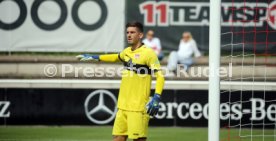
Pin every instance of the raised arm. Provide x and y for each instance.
(103, 58)
(109, 58)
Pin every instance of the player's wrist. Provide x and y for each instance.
(157, 96)
(88, 57)
(92, 56)
(97, 57)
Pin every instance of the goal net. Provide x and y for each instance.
(248, 48)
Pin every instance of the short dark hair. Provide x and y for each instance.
(136, 24)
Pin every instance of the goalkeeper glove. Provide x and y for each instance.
(153, 105)
(87, 57)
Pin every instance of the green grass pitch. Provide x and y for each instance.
(103, 133)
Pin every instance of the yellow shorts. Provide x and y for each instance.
(131, 124)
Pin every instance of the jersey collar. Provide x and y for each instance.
(137, 48)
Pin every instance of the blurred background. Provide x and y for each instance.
(42, 83)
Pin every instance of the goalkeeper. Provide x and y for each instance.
(134, 105)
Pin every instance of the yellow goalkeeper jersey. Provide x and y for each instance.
(136, 77)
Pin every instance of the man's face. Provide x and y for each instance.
(186, 37)
(150, 35)
(133, 35)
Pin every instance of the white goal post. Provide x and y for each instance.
(214, 64)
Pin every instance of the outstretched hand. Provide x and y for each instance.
(87, 57)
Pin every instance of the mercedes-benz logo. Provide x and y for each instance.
(100, 106)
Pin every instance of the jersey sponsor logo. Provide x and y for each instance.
(197, 14)
(100, 113)
(130, 65)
